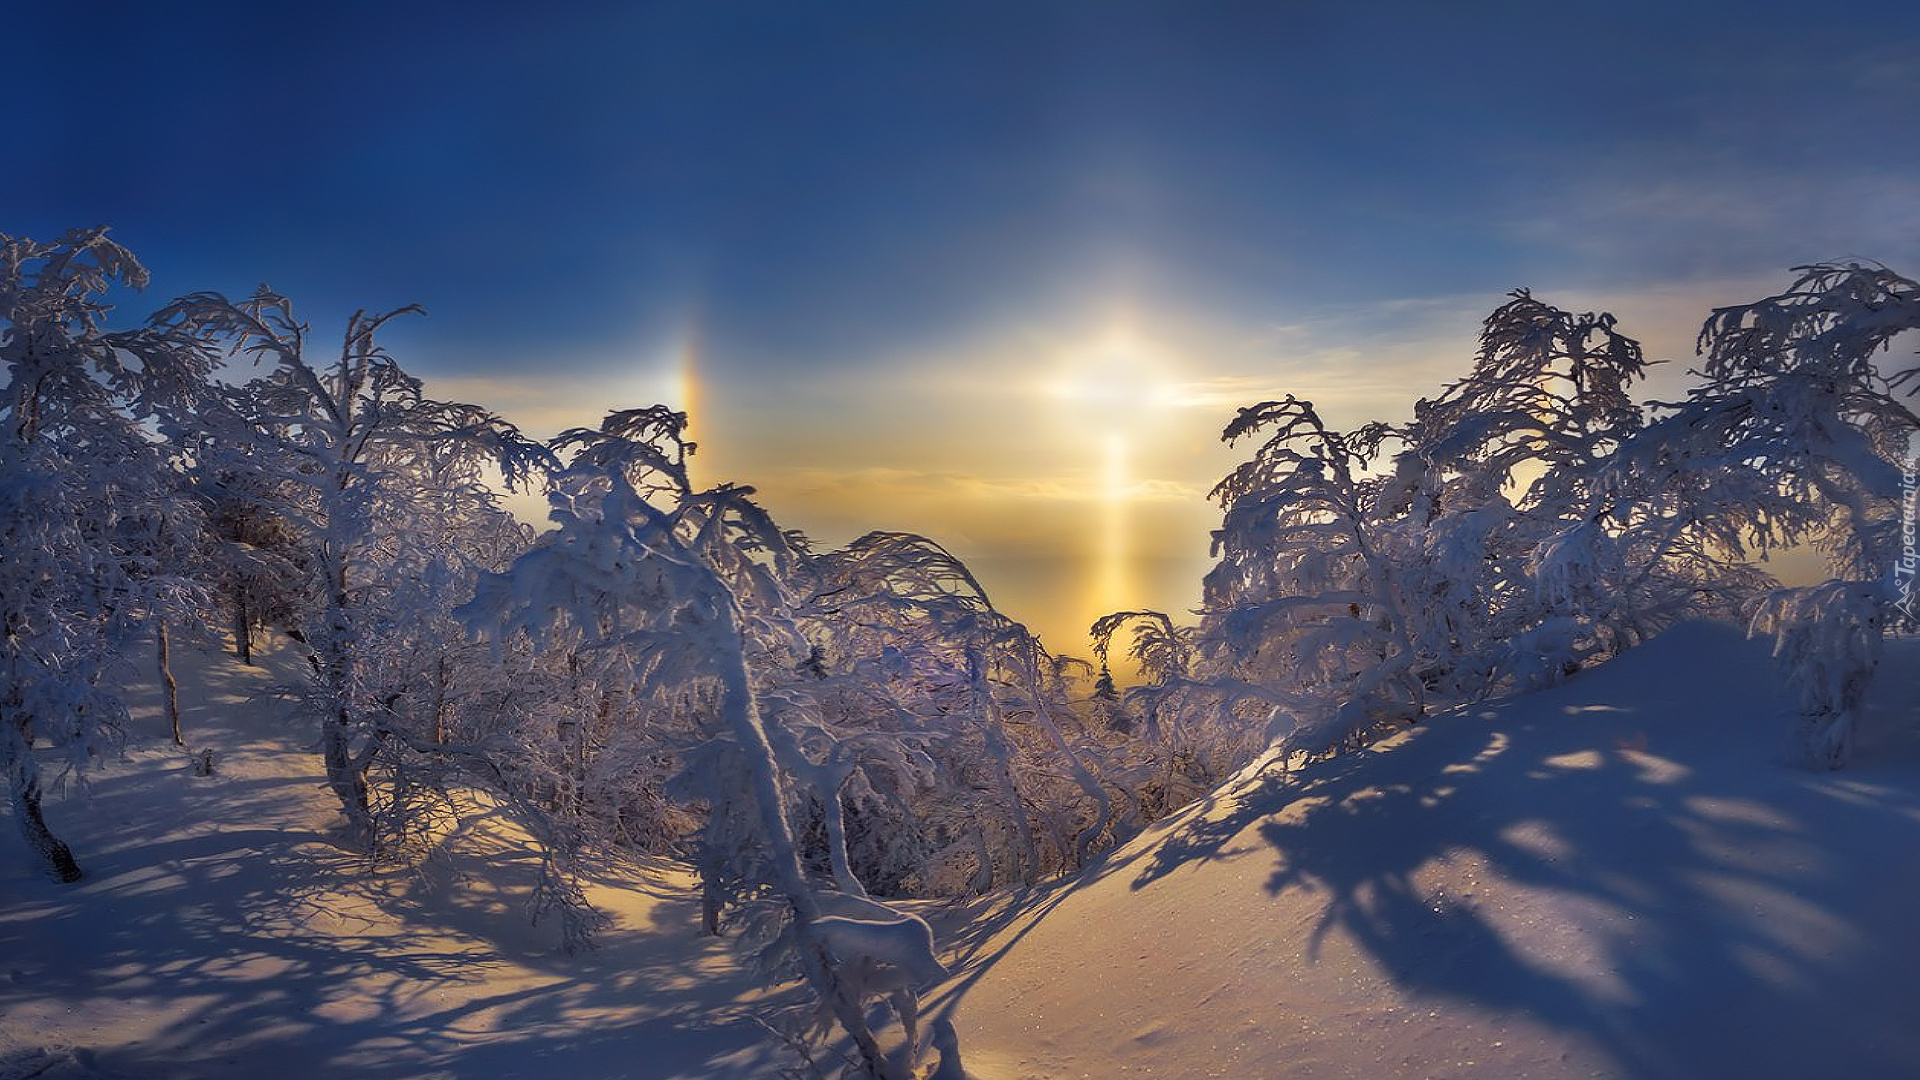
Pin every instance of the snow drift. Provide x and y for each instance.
(1631, 875)
(1627, 876)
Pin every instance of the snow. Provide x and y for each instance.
(1626, 876)
(1629, 875)
(223, 931)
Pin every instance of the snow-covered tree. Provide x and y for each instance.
(1304, 599)
(1525, 527)
(1534, 520)
(1187, 731)
(1529, 550)
(253, 557)
(1503, 515)
(1805, 388)
(1796, 435)
(1828, 639)
(681, 584)
(366, 469)
(90, 515)
(967, 704)
(900, 617)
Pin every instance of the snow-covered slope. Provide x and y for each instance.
(222, 932)
(1623, 877)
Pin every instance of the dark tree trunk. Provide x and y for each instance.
(710, 873)
(347, 777)
(171, 688)
(440, 685)
(242, 626)
(54, 855)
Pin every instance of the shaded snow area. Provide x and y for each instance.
(1628, 876)
(222, 931)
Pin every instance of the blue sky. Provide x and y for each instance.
(880, 237)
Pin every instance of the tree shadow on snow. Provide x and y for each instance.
(1629, 858)
(194, 948)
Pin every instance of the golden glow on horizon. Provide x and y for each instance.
(1112, 587)
(1057, 463)
(1066, 457)
(1114, 394)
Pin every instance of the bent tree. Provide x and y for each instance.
(87, 507)
(672, 579)
(1304, 586)
(1797, 433)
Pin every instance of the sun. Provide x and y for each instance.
(1110, 394)
(1112, 384)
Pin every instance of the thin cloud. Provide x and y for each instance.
(864, 484)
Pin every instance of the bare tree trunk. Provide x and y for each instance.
(741, 713)
(334, 665)
(982, 879)
(347, 776)
(242, 627)
(710, 898)
(171, 688)
(440, 684)
(23, 775)
(825, 782)
(836, 818)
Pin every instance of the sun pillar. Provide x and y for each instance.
(1112, 579)
(1111, 389)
